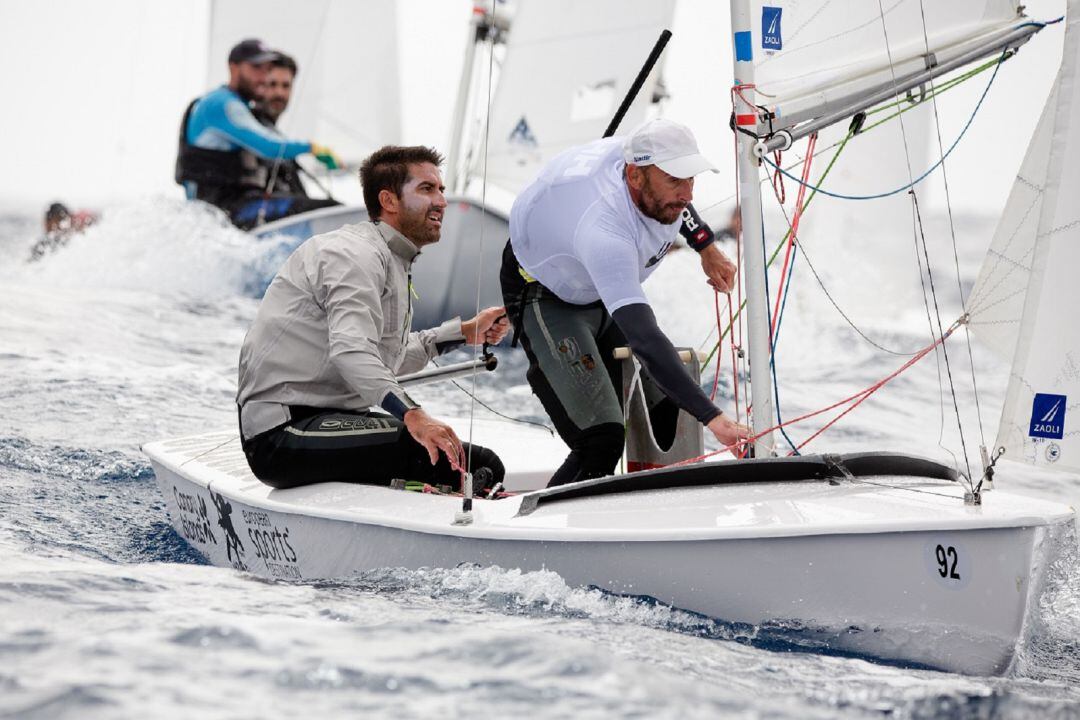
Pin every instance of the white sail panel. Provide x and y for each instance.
(996, 303)
(813, 56)
(1039, 422)
(567, 67)
(347, 90)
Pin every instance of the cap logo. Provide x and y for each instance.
(642, 158)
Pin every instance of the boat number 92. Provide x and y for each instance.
(947, 560)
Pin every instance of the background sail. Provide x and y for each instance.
(347, 90)
(1027, 293)
(811, 57)
(567, 67)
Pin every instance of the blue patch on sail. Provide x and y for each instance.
(1048, 416)
(744, 47)
(770, 28)
(522, 134)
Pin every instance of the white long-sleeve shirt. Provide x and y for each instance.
(576, 230)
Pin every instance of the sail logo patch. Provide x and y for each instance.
(522, 134)
(1048, 416)
(770, 28)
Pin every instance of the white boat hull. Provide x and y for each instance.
(874, 586)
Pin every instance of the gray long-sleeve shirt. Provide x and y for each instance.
(334, 329)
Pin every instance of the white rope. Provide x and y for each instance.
(483, 223)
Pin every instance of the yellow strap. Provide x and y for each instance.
(528, 278)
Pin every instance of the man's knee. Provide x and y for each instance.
(599, 448)
(488, 469)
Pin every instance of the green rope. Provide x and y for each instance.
(944, 87)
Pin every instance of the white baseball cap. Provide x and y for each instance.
(667, 145)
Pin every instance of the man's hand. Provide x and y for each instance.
(728, 432)
(719, 270)
(326, 156)
(490, 326)
(435, 436)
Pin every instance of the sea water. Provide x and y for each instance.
(131, 333)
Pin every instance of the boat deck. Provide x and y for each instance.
(728, 508)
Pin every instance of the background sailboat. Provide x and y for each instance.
(550, 89)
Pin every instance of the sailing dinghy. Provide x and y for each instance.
(885, 555)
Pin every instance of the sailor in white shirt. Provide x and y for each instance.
(583, 237)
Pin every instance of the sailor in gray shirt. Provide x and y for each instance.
(333, 332)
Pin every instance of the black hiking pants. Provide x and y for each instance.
(573, 372)
(323, 445)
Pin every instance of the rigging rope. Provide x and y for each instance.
(952, 233)
(856, 399)
(916, 181)
(921, 235)
(483, 214)
(840, 145)
(791, 235)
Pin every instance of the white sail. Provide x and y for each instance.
(814, 57)
(347, 90)
(1026, 296)
(567, 67)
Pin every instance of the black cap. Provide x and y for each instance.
(56, 212)
(252, 51)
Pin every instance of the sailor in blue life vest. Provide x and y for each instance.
(584, 235)
(221, 142)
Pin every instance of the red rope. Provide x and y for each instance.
(858, 397)
(793, 230)
(778, 179)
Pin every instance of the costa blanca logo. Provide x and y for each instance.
(770, 28)
(194, 523)
(1048, 416)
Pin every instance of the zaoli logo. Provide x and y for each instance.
(770, 28)
(1048, 416)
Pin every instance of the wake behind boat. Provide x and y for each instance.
(875, 554)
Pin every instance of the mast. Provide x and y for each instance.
(484, 27)
(757, 301)
(461, 107)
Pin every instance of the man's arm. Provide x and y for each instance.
(425, 345)
(658, 355)
(229, 116)
(718, 269)
(489, 326)
(612, 264)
